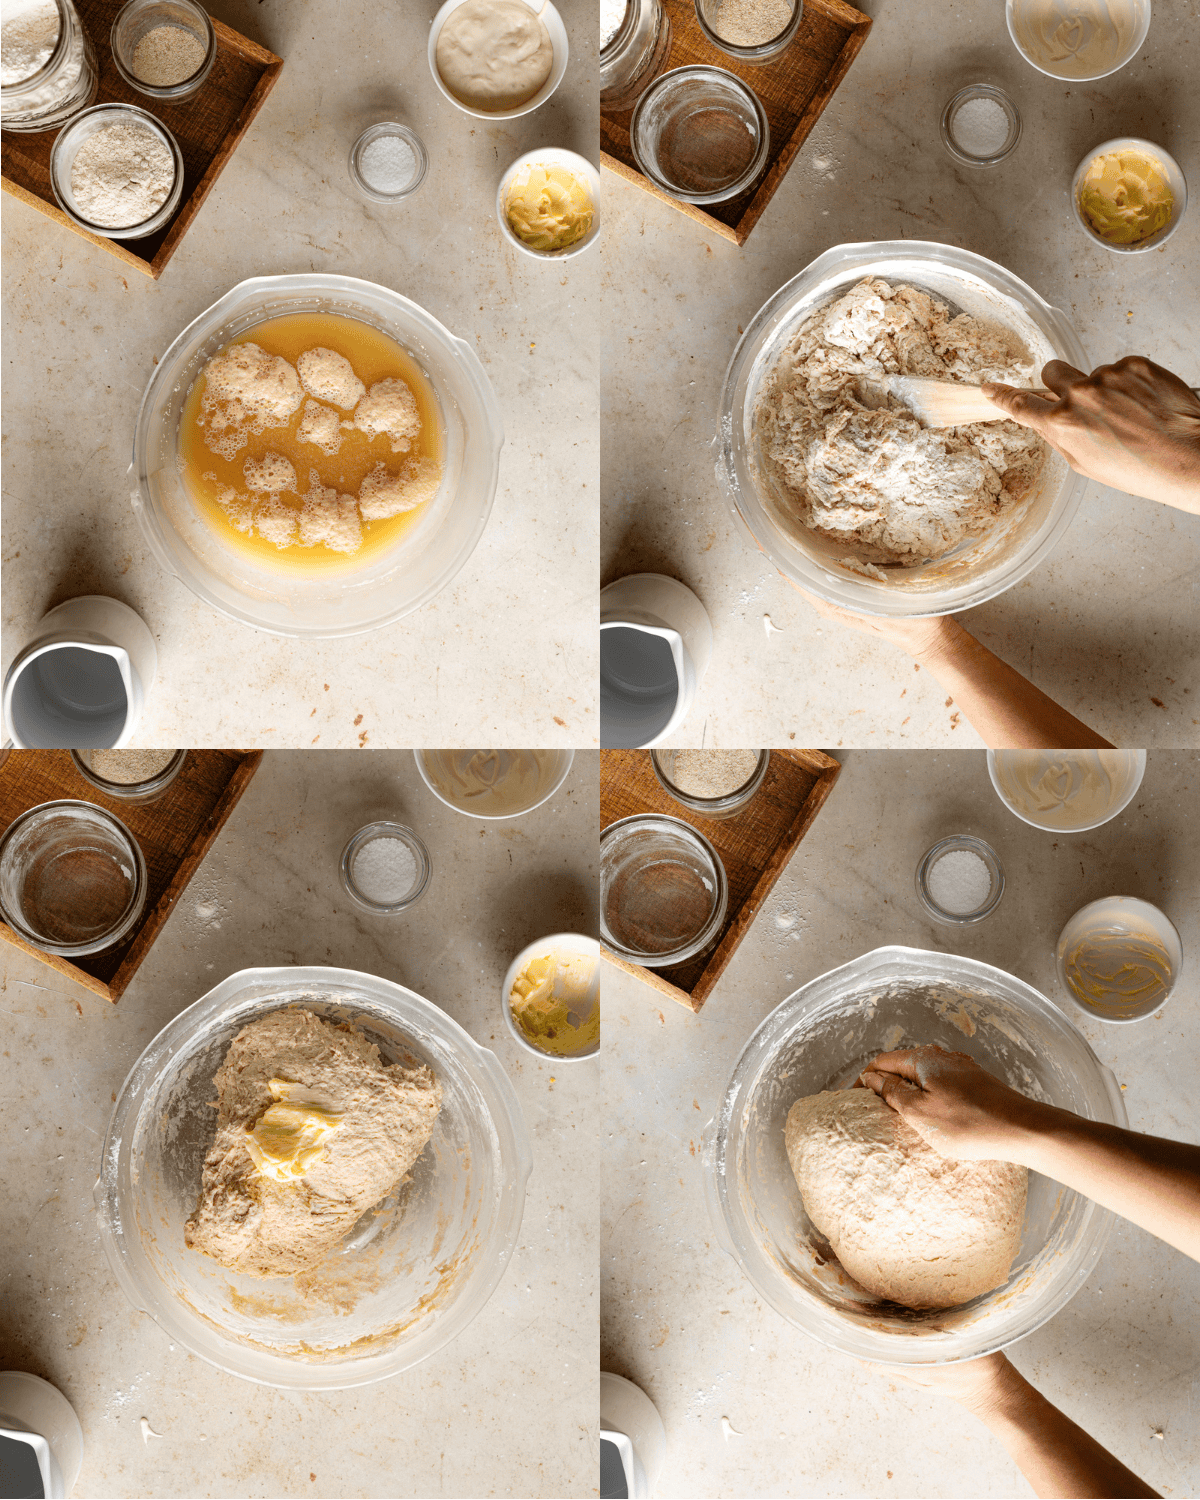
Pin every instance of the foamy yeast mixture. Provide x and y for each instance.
(844, 458)
(311, 441)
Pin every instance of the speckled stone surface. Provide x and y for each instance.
(508, 650)
(680, 1319)
(508, 1407)
(1107, 624)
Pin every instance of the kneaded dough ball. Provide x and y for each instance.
(389, 407)
(272, 472)
(383, 494)
(907, 1224)
(329, 518)
(321, 426)
(330, 376)
(246, 390)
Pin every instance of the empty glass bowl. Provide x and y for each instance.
(72, 878)
(700, 134)
(663, 890)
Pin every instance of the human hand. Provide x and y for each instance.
(973, 1383)
(918, 637)
(1133, 425)
(953, 1104)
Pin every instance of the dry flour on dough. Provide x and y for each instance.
(907, 1224)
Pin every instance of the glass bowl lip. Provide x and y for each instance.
(761, 51)
(137, 901)
(578, 942)
(880, 965)
(1065, 78)
(160, 215)
(312, 286)
(1083, 1007)
(624, 33)
(1139, 763)
(716, 917)
(126, 791)
(477, 817)
(558, 64)
(555, 156)
(170, 92)
(1150, 148)
(368, 833)
(45, 72)
(846, 263)
(504, 1114)
(671, 78)
(981, 91)
(948, 845)
(376, 132)
(713, 804)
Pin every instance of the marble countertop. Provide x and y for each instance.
(509, 1406)
(510, 645)
(677, 1315)
(1106, 624)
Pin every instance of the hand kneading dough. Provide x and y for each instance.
(906, 1223)
(254, 1224)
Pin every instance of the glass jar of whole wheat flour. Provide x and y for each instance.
(47, 64)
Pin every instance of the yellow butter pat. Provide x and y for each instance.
(548, 208)
(291, 1135)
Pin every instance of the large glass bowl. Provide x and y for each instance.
(822, 1037)
(342, 602)
(426, 1264)
(978, 569)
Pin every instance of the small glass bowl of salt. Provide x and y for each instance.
(385, 868)
(388, 162)
(960, 880)
(980, 126)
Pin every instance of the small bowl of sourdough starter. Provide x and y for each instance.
(1066, 791)
(293, 532)
(404, 1281)
(986, 554)
(116, 171)
(711, 783)
(1119, 958)
(821, 1037)
(1078, 40)
(493, 784)
(497, 59)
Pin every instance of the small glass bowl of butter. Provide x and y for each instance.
(1128, 186)
(546, 204)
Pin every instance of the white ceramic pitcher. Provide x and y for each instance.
(36, 1414)
(655, 645)
(82, 682)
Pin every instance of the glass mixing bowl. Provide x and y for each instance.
(425, 1265)
(978, 569)
(822, 1037)
(343, 602)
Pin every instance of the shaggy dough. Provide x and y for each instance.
(846, 459)
(909, 1225)
(262, 1227)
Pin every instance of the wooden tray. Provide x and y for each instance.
(793, 89)
(175, 834)
(754, 847)
(208, 127)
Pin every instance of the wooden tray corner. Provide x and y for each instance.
(755, 847)
(794, 90)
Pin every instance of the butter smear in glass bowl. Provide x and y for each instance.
(1128, 195)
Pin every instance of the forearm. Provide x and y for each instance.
(1055, 1455)
(1152, 1182)
(1004, 708)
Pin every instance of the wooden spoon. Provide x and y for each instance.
(946, 403)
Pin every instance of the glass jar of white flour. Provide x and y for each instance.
(48, 66)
